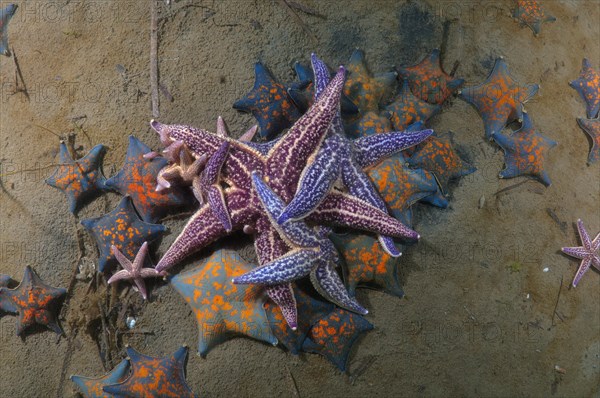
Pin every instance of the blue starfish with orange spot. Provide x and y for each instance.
(525, 152)
(592, 128)
(223, 309)
(588, 86)
(34, 301)
(80, 179)
(5, 15)
(407, 109)
(92, 387)
(499, 100)
(269, 102)
(334, 335)
(532, 14)
(123, 229)
(137, 179)
(154, 377)
(428, 81)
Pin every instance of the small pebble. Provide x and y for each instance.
(546, 269)
(130, 322)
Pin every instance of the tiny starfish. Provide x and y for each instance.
(588, 253)
(137, 179)
(34, 301)
(223, 309)
(532, 14)
(407, 109)
(525, 152)
(364, 89)
(592, 128)
(428, 81)
(302, 92)
(438, 156)
(80, 179)
(92, 387)
(154, 377)
(310, 310)
(499, 99)
(134, 271)
(269, 103)
(588, 86)
(121, 228)
(334, 335)
(312, 253)
(5, 15)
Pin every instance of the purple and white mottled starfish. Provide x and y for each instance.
(342, 157)
(281, 167)
(134, 271)
(588, 253)
(312, 254)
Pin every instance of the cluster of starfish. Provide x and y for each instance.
(500, 101)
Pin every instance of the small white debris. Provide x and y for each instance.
(481, 201)
(560, 370)
(130, 321)
(546, 269)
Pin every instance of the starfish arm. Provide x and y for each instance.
(149, 273)
(577, 252)
(194, 170)
(120, 276)
(283, 296)
(141, 285)
(202, 229)
(216, 201)
(198, 140)
(249, 134)
(344, 210)
(140, 258)
(596, 261)
(585, 238)
(293, 265)
(585, 265)
(197, 189)
(214, 165)
(124, 261)
(329, 284)
(315, 182)
(321, 74)
(596, 243)
(360, 185)
(371, 149)
(305, 136)
(294, 232)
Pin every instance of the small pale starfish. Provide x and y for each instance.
(134, 271)
(588, 253)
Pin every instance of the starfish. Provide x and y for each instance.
(302, 92)
(592, 128)
(438, 156)
(282, 166)
(407, 109)
(588, 86)
(123, 229)
(363, 88)
(5, 15)
(92, 387)
(334, 335)
(588, 253)
(222, 308)
(80, 179)
(137, 179)
(428, 81)
(499, 99)
(525, 152)
(341, 157)
(154, 377)
(134, 271)
(269, 103)
(312, 253)
(370, 123)
(4, 280)
(310, 311)
(34, 301)
(532, 14)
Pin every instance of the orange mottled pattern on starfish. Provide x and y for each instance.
(367, 264)
(369, 124)
(530, 11)
(588, 87)
(222, 308)
(333, 335)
